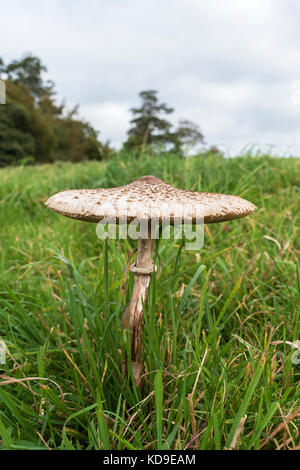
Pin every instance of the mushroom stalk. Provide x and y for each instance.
(133, 315)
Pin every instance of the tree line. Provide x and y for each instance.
(35, 129)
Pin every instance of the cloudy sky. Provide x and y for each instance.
(231, 66)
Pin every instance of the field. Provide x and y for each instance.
(220, 368)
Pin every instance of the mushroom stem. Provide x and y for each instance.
(133, 315)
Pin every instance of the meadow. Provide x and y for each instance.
(219, 323)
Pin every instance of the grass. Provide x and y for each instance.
(218, 365)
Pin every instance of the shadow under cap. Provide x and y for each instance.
(148, 198)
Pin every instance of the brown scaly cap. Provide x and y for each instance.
(148, 198)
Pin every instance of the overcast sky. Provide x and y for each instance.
(231, 66)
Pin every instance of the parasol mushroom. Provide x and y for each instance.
(146, 200)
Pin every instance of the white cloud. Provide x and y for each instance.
(110, 118)
(229, 66)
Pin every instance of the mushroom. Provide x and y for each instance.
(146, 200)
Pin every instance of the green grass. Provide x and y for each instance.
(210, 320)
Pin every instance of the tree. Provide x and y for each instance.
(34, 126)
(148, 128)
(24, 130)
(77, 138)
(28, 71)
(187, 136)
(16, 140)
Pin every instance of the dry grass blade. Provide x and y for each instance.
(10, 380)
(281, 426)
(239, 431)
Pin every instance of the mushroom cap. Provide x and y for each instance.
(145, 199)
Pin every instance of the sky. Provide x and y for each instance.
(232, 67)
